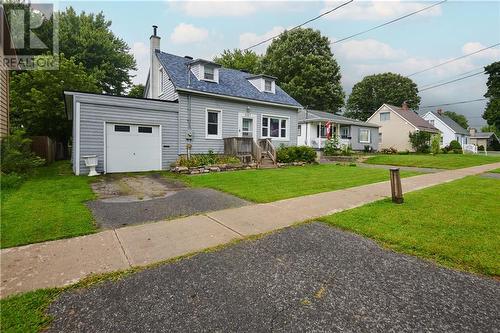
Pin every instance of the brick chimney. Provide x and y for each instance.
(154, 64)
(405, 106)
(440, 112)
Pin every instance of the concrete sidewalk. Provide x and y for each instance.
(63, 262)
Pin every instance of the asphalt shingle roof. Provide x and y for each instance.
(483, 135)
(451, 123)
(232, 82)
(414, 119)
(313, 115)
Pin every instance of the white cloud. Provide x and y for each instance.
(367, 49)
(249, 38)
(376, 10)
(140, 51)
(206, 8)
(188, 33)
(493, 53)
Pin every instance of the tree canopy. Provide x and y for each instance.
(89, 40)
(492, 112)
(37, 104)
(374, 90)
(137, 90)
(458, 118)
(303, 62)
(241, 60)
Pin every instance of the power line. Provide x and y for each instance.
(389, 22)
(452, 60)
(300, 25)
(448, 82)
(455, 103)
(454, 76)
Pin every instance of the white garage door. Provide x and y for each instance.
(132, 147)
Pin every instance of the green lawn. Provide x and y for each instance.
(49, 205)
(456, 224)
(495, 171)
(440, 161)
(266, 185)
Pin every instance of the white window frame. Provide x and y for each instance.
(219, 124)
(369, 135)
(270, 85)
(280, 118)
(385, 113)
(214, 73)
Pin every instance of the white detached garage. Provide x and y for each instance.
(126, 134)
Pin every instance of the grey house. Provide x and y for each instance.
(354, 133)
(190, 107)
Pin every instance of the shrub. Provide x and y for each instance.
(295, 154)
(332, 147)
(457, 151)
(211, 158)
(367, 149)
(16, 155)
(454, 144)
(436, 144)
(389, 151)
(480, 148)
(404, 152)
(420, 141)
(10, 181)
(346, 150)
(445, 150)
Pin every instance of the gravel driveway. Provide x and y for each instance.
(307, 278)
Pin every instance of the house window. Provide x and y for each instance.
(384, 116)
(145, 129)
(122, 128)
(274, 127)
(344, 132)
(268, 85)
(364, 135)
(321, 131)
(299, 130)
(431, 121)
(208, 73)
(214, 130)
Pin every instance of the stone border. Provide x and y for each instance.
(225, 167)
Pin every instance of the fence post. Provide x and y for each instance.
(396, 189)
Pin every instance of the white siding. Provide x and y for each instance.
(167, 91)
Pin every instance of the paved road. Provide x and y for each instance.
(307, 278)
(183, 202)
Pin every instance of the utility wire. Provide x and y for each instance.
(452, 60)
(448, 82)
(389, 22)
(455, 103)
(300, 25)
(453, 77)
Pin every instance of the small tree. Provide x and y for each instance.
(420, 141)
(436, 144)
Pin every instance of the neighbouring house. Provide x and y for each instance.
(450, 129)
(396, 124)
(488, 140)
(4, 75)
(190, 107)
(354, 133)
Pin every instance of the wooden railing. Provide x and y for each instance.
(241, 146)
(268, 148)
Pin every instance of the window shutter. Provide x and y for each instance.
(318, 129)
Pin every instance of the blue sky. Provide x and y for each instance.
(203, 29)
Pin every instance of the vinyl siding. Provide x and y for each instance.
(395, 131)
(230, 111)
(356, 145)
(95, 110)
(167, 91)
(4, 103)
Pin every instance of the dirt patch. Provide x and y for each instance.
(135, 188)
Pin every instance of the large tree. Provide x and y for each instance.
(36, 98)
(458, 118)
(374, 90)
(241, 60)
(303, 62)
(137, 90)
(492, 112)
(89, 40)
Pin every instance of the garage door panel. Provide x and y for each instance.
(132, 147)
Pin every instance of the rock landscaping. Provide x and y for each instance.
(225, 167)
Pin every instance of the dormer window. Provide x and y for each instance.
(268, 85)
(208, 73)
(263, 83)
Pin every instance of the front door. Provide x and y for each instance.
(247, 126)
